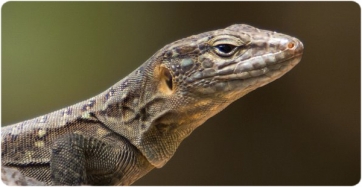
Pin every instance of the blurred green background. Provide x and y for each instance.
(303, 129)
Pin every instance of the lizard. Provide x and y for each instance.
(137, 124)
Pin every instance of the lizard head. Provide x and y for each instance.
(190, 80)
(211, 70)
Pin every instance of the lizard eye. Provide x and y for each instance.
(225, 49)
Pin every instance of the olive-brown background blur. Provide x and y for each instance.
(303, 129)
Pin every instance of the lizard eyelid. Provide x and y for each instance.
(226, 45)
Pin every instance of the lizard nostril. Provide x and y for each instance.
(291, 45)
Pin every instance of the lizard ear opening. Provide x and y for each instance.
(168, 78)
(166, 84)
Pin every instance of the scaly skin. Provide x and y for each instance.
(136, 125)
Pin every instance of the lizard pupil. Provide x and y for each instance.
(225, 48)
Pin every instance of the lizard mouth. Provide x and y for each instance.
(242, 82)
(253, 70)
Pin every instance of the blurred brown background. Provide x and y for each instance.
(303, 129)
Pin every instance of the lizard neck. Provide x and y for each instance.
(136, 110)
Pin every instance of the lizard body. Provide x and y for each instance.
(136, 125)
